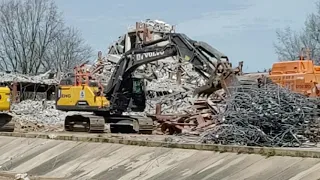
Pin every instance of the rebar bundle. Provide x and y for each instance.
(265, 116)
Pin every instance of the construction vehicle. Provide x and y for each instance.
(301, 75)
(124, 92)
(6, 123)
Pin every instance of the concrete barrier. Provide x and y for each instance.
(82, 160)
(12, 176)
(265, 151)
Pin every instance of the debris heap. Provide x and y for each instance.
(267, 116)
(45, 78)
(197, 118)
(37, 116)
(162, 77)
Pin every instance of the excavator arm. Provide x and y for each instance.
(209, 62)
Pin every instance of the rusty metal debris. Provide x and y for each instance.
(256, 113)
(202, 115)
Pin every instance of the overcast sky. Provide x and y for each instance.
(244, 30)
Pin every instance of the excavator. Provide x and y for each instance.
(125, 92)
(6, 123)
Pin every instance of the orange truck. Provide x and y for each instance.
(301, 76)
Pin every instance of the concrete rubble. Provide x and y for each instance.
(45, 78)
(37, 116)
(162, 82)
(22, 176)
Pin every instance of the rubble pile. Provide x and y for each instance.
(175, 98)
(163, 84)
(252, 115)
(104, 70)
(200, 116)
(37, 116)
(155, 25)
(39, 79)
(267, 116)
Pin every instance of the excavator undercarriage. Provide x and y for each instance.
(6, 123)
(96, 123)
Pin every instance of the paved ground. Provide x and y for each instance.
(84, 160)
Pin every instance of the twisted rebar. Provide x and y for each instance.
(266, 116)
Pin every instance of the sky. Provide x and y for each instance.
(243, 30)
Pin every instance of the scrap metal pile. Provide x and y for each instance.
(256, 116)
(265, 116)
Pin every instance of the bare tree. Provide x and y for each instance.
(67, 51)
(30, 30)
(289, 43)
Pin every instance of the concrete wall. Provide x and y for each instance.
(88, 160)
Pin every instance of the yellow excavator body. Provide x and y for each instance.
(4, 98)
(6, 123)
(81, 98)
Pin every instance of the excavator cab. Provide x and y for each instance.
(138, 100)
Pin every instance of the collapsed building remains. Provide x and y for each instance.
(168, 81)
(30, 87)
(31, 115)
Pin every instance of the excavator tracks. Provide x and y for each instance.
(84, 122)
(127, 124)
(6, 123)
(118, 123)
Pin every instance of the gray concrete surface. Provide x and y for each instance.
(170, 141)
(87, 160)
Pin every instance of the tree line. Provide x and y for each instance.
(34, 38)
(290, 43)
